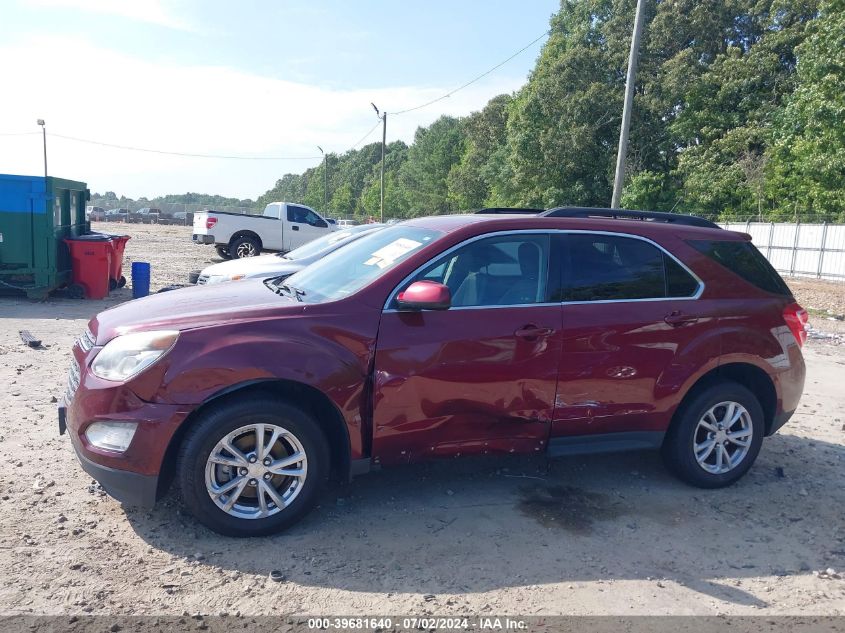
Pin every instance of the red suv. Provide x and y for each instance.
(570, 331)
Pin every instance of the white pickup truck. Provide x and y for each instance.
(282, 227)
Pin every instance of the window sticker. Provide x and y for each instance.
(386, 255)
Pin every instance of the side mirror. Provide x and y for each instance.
(321, 224)
(425, 295)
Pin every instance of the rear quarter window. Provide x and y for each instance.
(743, 259)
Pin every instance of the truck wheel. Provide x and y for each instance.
(245, 246)
(223, 251)
(252, 466)
(716, 437)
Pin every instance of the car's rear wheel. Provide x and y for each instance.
(245, 246)
(716, 436)
(253, 467)
(223, 251)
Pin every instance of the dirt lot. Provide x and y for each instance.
(592, 535)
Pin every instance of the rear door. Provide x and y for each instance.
(634, 329)
(303, 225)
(481, 376)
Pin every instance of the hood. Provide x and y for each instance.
(262, 266)
(193, 307)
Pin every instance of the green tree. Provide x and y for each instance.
(472, 181)
(808, 153)
(436, 150)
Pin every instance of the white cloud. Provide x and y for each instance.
(150, 11)
(199, 109)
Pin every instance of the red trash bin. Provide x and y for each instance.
(91, 262)
(116, 278)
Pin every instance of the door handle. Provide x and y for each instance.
(531, 332)
(677, 319)
(294, 227)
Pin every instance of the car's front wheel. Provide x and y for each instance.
(253, 467)
(716, 437)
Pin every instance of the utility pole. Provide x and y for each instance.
(383, 117)
(44, 138)
(622, 152)
(325, 179)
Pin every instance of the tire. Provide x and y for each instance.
(121, 282)
(112, 284)
(688, 431)
(196, 475)
(245, 246)
(223, 251)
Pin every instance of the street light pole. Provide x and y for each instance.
(44, 138)
(325, 179)
(622, 151)
(383, 117)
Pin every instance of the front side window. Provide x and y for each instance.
(495, 271)
(600, 267)
(301, 215)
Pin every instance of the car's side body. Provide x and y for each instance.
(394, 386)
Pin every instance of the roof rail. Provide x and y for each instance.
(507, 210)
(648, 216)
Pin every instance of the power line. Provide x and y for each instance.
(187, 154)
(363, 138)
(234, 157)
(472, 81)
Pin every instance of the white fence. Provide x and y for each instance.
(803, 250)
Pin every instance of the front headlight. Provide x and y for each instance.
(130, 354)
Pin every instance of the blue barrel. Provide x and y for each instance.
(140, 279)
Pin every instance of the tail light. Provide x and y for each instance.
(210, 222)
(796, 318)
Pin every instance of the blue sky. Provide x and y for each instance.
(254, 78)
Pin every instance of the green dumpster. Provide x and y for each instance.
(36, 215)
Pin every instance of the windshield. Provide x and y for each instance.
(352, 267)
(319, 245)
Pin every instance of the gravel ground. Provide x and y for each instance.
(592, 535)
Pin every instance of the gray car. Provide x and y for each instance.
(278, 265)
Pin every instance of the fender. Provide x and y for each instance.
(210, 361)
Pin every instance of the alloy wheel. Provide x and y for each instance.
(723, 437)
(246, 249)
(256, 471)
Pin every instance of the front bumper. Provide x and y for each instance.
(202, 239)
(131, 489)
(131, 477)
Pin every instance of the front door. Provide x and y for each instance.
(480, 376)
(303, 226)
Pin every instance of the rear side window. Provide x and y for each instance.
(602, 267)
(743, 259)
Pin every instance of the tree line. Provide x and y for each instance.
(111, 199)
(739, 111)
